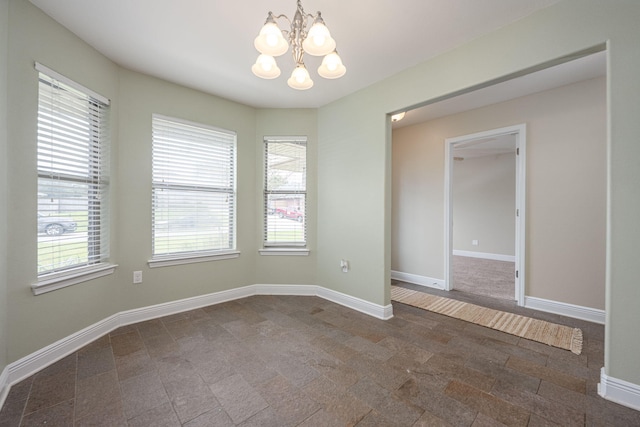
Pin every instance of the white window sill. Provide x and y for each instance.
(53, 281)
(169, 260)
(284, 251)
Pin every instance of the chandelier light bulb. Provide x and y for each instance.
(331, 67)
(270, 40)
(266, 67)
(300, 74)
(318, 41)
(300, 79)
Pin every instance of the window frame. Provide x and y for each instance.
(287, 248)
(97, 180)
(203, 255)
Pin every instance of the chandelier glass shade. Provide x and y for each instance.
(306, 34)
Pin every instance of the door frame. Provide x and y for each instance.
(520, 133)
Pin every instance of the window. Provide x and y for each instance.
(285, 191)
(194, 191)
(73, 177)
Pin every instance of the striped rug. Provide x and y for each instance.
(548, 333)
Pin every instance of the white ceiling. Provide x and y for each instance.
(208, 45)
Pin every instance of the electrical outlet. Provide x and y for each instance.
(137, 277)
(474, 242)
(344, 264)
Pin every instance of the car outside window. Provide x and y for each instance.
(285, 191)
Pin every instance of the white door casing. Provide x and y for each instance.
(519, 131)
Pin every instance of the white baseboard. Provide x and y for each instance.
(366, 307)
(576, 311)
(418, 280)
(619, 391)
(4, 385)
(485, 255)
(38, 360)
(165, 309)
(299, 290)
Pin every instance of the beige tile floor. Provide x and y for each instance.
(304, 361)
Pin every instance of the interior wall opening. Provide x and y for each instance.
(418, 205)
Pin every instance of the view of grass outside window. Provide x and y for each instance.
(73, 179)
(193, 185)
(285, 191)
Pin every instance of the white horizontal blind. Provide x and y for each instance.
(285, 191)
(73, 176)
(194, 174)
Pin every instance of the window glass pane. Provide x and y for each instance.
(286, 166)
(285, 191)
(193, 188)
(72, 160)
(189, 221)
(285, 222)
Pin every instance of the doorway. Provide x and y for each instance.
(495, 143)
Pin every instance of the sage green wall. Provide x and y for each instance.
(566, 190)
(140, 96)
(35, 322)
(298, 270)
(4, 45)
(484, 200)
(354, 160)
(353, 197)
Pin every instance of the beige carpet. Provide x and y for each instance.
(548, 333)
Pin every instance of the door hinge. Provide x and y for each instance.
(518, 151)
(517, 212)
(516, 274)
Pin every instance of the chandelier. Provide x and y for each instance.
(316, 41)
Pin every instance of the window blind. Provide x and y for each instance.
(73, 175)
(285, 191)
(193, 185)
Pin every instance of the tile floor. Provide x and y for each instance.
(484, 277)
(304, 361)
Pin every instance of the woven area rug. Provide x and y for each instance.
(548, 333)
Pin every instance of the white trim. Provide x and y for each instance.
(485, 255)
(44, 357)
(167, 261)
(48, 283)
(448, 215)
(4, 385)
(284, 251)
(193, 124)
(54, 74)
(40, 359)
(172, 307)
(366, 307)
(300, 290)
(520, 132)
(565, 309)
(286, 138)
(619, 391)
(415, 279)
